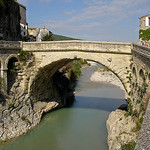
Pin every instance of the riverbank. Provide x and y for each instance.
(103, 75)
(119, 127)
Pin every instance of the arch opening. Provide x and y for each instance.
(51, 83)
(149, 76)
(134, 71)
(141, 73)
(11, 72)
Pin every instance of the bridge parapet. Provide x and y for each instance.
(10, 45)
(78, 45)
(141, 50)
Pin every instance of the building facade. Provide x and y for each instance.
(23, 21)
(144, 25)
(32, 32)
(41, 33)
(145, 22)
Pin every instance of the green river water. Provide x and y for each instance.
(79, 127)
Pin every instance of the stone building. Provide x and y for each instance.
(23, 21)
(41, 33)
(145, 22)
(144, 25)
(9, 21)
(32, 32)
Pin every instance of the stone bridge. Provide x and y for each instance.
(115, 56)
(121, 58)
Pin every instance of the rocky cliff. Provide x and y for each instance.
(19, 112)
(9, 20)
(121, 129)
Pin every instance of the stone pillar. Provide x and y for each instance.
(4, 76)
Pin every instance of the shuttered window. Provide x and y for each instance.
(147, 21)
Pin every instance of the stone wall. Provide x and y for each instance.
(143, 22)
(20, 111)
(23, 14)
(110, 54)
(10, 21)
(140, 93)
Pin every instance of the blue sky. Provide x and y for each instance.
(95, 20)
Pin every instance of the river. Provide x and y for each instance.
(81, 126)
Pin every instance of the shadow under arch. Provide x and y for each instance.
(40, 86)
(11, 71)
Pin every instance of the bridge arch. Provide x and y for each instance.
(41, 86)
(11, 71)
(115, 56)
(41, 82)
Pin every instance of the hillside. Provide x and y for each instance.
(61, 38)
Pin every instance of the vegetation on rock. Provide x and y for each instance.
(129, 146)
(144, 35)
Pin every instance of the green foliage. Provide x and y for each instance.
(127, 114)
(62, 38)
(141, 120)
(142, 107)
(130, 109)
(138, 125)
(135, 113)
(10, 105)
(26, 102)
(76, 69)
(145, 85)
(25, 119)
(128, 100)
(13, 70)
(129, 146)
(144, 34)
(1, 81)
(138, 101)
(48, 37)
(24, 55)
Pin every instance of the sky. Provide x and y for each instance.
(93, 20)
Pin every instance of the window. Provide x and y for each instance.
(24, 33)
(147, 21)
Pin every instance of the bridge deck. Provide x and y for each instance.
(78, 45)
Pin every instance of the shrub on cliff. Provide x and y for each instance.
(129, 146)
(76, 69)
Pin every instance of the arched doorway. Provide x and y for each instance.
(11, 73)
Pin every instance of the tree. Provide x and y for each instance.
(48, 37)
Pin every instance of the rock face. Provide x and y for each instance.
(9, 20)
(20, 112)
(120, 129)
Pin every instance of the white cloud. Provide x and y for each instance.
(98, 17)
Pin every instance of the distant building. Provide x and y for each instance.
(145, 22)
(144, 25)
(23, 21)
(32, 32)
(41, 33)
